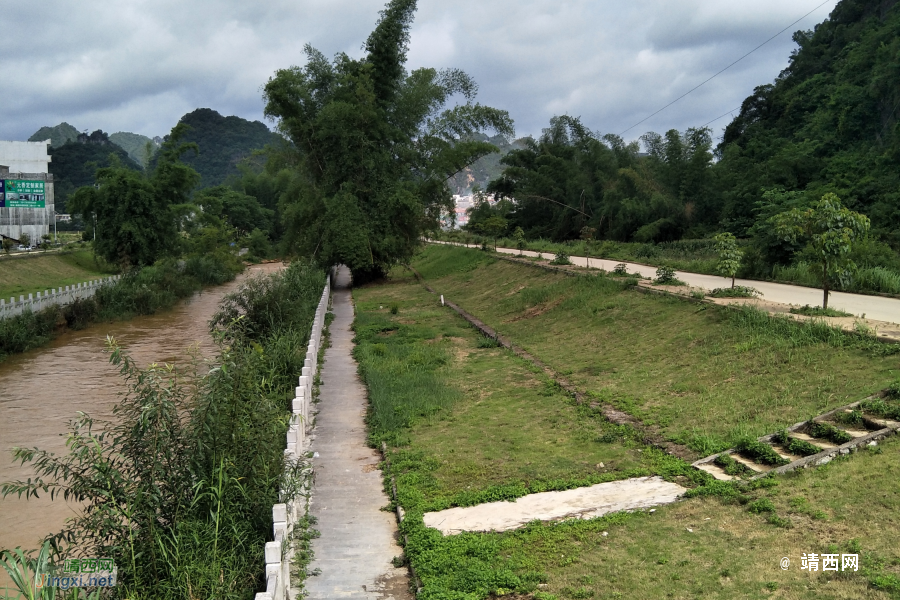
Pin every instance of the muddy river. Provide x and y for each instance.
(42, 390)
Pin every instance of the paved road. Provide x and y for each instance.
(873, 307)
(358, 539)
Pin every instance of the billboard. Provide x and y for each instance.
(21, 193)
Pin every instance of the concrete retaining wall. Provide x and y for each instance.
(284, 516)
(53, 297)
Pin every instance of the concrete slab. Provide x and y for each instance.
(581, 503)
(358, 539)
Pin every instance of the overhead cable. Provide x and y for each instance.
(726, 68)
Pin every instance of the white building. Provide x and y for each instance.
(26, 195)
(25, 157)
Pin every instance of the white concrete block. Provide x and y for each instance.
(273, 553)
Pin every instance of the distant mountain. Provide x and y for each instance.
(58, 135)
(485, 169)
(223, 142)
(74, 163)
(135, 145)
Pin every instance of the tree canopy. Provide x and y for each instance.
(133, 213)
(374, 146)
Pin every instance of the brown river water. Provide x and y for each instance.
(42, 390)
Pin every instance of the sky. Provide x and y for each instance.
(139, 65)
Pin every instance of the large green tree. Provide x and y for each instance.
(134, 215)
(831, 230)
(375, 146)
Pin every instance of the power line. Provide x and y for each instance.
(726, 68)
(719, 117)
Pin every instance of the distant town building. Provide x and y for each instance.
(26, 190)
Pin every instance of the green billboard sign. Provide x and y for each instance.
(22, 193)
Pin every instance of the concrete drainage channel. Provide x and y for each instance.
(827, 432)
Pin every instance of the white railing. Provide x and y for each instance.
(284, 516)
(53, 297)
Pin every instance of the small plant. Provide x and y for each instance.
(488, 342)
(519, 236)
(878, 407)
(394, 309)
(761, 505)
(795, 446)
(853, 417)
(561, 258)
(771, 586)
(777, 521)
(729, 255)
(760, 452)
(666, 276)
(731, 466)
(830, 432)
(621, 269)
(818, 311)
(893, 390)
(738, 291)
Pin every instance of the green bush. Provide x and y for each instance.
(666, 276)
(738, 291)
(178, 489)
(759, 452)
(561, 258)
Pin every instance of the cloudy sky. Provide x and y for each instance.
(139, 65)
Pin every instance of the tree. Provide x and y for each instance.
(373, 147)
(587, 234)
(135, 214)
(494, 227)
(25, 239)
(519, 236)
(8, 244)
(729, 255)
(830, 229)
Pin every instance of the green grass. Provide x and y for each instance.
(38, 272)
(818, 311)
(706, 377)
(501, 429)
(469, 421)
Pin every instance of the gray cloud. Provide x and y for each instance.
(140, 65)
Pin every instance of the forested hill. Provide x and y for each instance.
(74, 163)
(828, 123)
(223, 142)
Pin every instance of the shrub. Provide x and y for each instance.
(795, 446)
(818, 311)
(829, 432)
(620, 269)
(561, 258)
(738, 291)
(666, 276)
(760, 452)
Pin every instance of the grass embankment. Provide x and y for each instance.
(142, 292)
(469, 423)
(704, 376)
(179, 489)
(28, 274)
(700, 256)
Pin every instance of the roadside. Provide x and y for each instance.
(875, 308)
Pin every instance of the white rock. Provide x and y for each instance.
(872, 443)
(605, 533)
(690, 530)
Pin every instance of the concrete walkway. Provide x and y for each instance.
(580, 503)
(358, 539)
(874, 307)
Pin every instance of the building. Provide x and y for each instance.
(26, 190)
